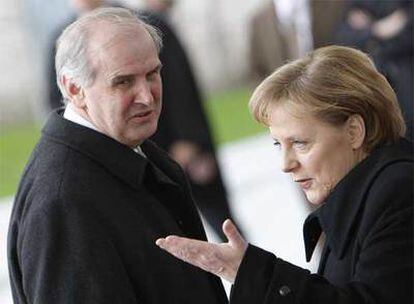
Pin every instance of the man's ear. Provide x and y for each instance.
(356, 131)
(74, 92)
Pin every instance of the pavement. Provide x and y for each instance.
(267, 204)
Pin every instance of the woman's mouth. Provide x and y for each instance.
(305, 183)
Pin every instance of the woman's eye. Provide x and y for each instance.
(300, 144)
(276, 144)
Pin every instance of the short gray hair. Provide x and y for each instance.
(72, 46)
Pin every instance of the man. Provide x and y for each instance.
(96, 194)
(186, 137)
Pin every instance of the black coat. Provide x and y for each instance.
(368, 254)
(85, 219)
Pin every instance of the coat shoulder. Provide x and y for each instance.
(389, 200)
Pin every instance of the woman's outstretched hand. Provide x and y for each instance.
(223, 259)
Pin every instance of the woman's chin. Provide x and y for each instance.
(315, 199)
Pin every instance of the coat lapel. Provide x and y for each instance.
(117, 158)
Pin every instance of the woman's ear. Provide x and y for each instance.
(356, 131)
(74, 92)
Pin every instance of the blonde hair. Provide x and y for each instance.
(334, 83)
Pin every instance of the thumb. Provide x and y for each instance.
(233, 235)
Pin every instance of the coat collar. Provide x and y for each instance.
(340, 213)
(117, 158)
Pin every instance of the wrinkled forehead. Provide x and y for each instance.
(112, 47)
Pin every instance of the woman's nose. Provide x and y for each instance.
(289, 162)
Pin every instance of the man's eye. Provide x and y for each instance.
(123, 82)
(276, 144)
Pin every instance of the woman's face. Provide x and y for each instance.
(316, 154)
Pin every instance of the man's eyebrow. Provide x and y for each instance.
(121, 76)
(118, 77)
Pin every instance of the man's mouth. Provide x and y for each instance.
(142, 117)
(143, 114)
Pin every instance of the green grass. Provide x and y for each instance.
(15, 146)
(227, 112)
(229, 116)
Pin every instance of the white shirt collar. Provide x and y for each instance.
(138, 150)
(72, 115)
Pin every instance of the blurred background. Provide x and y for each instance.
(213, 33)
(231, 45)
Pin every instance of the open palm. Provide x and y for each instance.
(222, 259)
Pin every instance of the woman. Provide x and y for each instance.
(337, 124)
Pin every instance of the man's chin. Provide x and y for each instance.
(140, 136)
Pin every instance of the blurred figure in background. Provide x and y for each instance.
(283, 30)
(384, 29)
(183, 129)
(80, 7)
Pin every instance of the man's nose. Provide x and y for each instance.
(143, 94)
(289, 161)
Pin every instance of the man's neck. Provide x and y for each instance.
(73, 115)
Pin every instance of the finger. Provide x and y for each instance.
(198, 253)
(185, 249)
(232, 234)
(159, 242)
(167, 242)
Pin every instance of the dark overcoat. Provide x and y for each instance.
(85, 220)
(368, 254)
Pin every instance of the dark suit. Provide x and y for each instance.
(85, 219)
(368, 254)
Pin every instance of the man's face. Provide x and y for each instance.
(124, 101)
